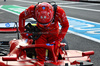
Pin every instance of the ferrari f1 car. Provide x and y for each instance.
(22, 51)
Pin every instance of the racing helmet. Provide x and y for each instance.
(44, 14)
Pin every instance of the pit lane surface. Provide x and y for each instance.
(86, 11)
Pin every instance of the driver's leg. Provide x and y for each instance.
(53, 36)
(40, 51)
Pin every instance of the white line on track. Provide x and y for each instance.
(81, 8)
(87, 5)
(0, 6)
(25, 1)
(87, 37)
(37, 2)
(84, 20)
(66, 6)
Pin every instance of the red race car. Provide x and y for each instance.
(22, 51)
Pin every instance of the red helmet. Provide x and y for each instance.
(44, 14)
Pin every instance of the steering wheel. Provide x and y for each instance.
(28, 27)
(34, 30)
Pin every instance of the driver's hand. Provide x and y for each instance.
(56, 43)
(56, 47)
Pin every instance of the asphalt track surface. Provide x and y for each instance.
(81, 10)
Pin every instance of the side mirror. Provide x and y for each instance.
(87, 53)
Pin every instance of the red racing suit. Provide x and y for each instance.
(54, 33)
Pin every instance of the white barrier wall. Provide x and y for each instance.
(94, 0)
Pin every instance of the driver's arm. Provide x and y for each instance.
(28, 13)
(63, 22)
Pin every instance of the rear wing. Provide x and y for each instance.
(6, 27)
(9, 27)
(12, 27)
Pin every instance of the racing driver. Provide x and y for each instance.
(48, 20)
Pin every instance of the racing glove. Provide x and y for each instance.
(56, 47)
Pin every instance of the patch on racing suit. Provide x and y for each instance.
(48, 44)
